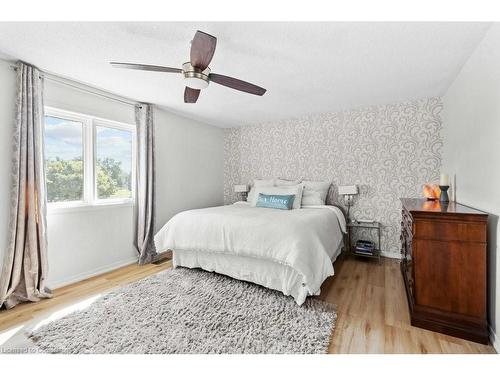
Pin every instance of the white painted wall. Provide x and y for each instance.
(471, 120)
(190, 165)
(83, 243)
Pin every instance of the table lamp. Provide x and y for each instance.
(348, 191)
(242, 189)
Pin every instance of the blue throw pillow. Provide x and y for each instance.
(281, 202)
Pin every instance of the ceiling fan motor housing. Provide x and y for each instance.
(195, 78)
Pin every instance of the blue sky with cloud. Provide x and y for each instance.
(115, 144)
(64, 139)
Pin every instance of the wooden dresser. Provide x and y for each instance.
(444, 267)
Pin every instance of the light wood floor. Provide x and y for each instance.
(373, 314)
(371, 306)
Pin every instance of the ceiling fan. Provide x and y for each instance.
(197, 74)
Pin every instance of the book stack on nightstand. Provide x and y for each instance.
(364, 248)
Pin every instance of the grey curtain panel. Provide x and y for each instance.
(145, 184)
(25, 263)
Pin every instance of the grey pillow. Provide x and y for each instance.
(257, 183)
(283, 182)
(315, 192)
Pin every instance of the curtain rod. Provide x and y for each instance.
(53, 79)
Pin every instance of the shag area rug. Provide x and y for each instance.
(191, 311)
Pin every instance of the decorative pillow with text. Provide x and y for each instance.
(280, 202)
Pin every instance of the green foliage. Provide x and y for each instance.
(65, 179)
(108, 177)
(106, 185)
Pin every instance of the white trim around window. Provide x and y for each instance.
(90, 198)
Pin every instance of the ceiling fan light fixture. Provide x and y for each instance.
(195, 83)
(195, 78)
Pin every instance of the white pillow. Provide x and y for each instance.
(257, 183)
(279, 190)
(282, 182)
(315, 193)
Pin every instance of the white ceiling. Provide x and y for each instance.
(306, 67)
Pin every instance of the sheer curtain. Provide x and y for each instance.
(145, 185)
(25, 263)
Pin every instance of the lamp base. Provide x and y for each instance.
(348, 201)
(444, 194)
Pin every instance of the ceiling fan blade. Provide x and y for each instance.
(153, 68)
(237, 84)
(191, 95)
(202, 49)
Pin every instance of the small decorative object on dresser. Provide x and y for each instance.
(242, 189)
(444, 267)
(431, 192)
(444, 185)
(443, 198)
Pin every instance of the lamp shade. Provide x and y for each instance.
(240, 188)
(348, 190)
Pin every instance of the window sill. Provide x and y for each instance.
(57, 209)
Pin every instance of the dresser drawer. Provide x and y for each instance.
(450, 231)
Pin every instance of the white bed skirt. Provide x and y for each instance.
(270, 274)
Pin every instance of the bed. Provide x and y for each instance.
(290, 251)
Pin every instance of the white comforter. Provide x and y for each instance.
(303, 239)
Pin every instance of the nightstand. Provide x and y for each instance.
(356, 226)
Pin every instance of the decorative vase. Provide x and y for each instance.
(444, 194)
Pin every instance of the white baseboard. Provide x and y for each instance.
(97, 271)
(494, 340)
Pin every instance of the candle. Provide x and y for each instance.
(444, 180)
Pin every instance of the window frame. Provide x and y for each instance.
(89, 136)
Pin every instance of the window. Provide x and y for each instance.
(88, 161)
(63, 159)
(113, 149)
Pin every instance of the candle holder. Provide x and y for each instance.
(444, 194)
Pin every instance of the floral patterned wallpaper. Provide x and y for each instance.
(389, 151)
